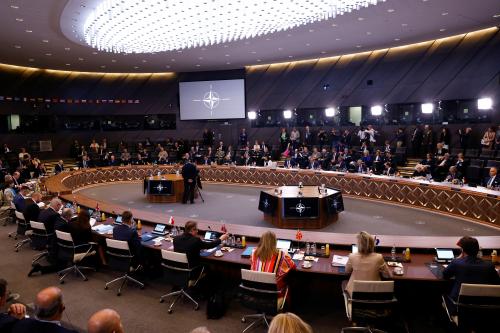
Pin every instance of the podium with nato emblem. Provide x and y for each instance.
(164, 188)
(303, 207)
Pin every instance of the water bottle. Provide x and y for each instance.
(393, 253)
(313, 249)
(480, 253)
(308, 249)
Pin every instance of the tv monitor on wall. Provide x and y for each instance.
(209, 100)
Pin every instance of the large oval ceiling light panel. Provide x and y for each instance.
(148, 26)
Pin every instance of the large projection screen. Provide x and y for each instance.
(207, 100)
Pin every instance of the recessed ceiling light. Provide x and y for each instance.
(68, 64)
(443, 29)
(368, 33)
(358, 46)
(167, 66)
(225, 46)
(200, 58)
(307, 44)
(311, 30)
(247, 42)
(258, 60)
(289, 35)
(496, 15)
(172, 60)
(290, 56)
(19, 19)
(334, 25)
(29, 31)
(397, 39)
(136, 67)
(390, 10)
(113, 60)
(48, 54)
(80, 59)
(337, 39)
(404, 24)
(103, 66)
(144, 61)
(31, 59)
(323, 52)
(179, 51)
(226, 55)
(228, 63)
(17, 46)
(361, 18)
(45, 40)
(198, 65)
(280, 49)
(67, 49)
(444, 14)
(253, 52)
(14, 7)
(268, 38)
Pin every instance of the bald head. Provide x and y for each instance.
(49, 304)
(105, 321)
(56, 204)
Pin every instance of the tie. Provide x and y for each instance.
(490, 183)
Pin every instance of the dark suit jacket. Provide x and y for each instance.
(48, 217)
(31, 212)
(7, 322)
(470, 270)
(33, 325)
(189, 171)
(191, 246)
(58, 168)
(123, 232)
(496, 181)
(19, 202)
(80, 235)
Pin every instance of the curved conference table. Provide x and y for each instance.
(477, 205)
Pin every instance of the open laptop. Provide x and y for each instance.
(118, 220)
(283, 244)
(211, 236)
(160, 229)
(444, 255)
(354, 248)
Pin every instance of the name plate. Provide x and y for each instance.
(318, 173)
(423, 184)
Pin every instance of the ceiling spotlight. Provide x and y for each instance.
(427, 108)
(376, 110)
(138, 26)
(252, 115)
(330, 112)
(287, 114)
(485, 103)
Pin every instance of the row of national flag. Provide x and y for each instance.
(69, 100)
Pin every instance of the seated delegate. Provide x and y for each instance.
(468, 268)
(366, 265)
(14, 313)
(266, 257)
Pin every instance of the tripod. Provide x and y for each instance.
(197, 188)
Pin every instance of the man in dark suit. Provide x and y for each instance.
(32, 210)
(49, 216)
(21, 198)
(189, 173)
(127, 232)
(49, 308)
(15, 312)
(59, 167)
(493, 180)
(190, 244)
(468, 268)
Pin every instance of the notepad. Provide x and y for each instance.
(103, 228)
(338, 261)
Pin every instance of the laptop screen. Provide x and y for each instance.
(160, 227)
(118, 219)
(354, 248)
(283, 244)
(445, 254)
(210, 235)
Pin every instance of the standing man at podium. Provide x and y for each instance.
(189, 173)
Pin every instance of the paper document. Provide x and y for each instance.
(103, 228)
(339, 261)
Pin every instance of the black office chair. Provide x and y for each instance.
(39, 240)
(477, 307)
(22, 230)
(471, 153)
(180, 275)
(371, 303)
(487, 154)
(67, 251)
(120, 258)
(259, 292)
